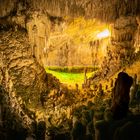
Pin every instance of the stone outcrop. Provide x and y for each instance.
(38, 27)
(123, 48)
(18, 68)
(15, 123)
(123, 38)
(121, 98)
(137, 36)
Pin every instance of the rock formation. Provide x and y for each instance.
(121, 97)
(19, 69)
(25, 26)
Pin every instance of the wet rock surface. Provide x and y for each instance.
(19, 69)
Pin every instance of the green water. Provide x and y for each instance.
(69, 78)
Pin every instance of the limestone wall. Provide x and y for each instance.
(38, 27)
(137, 36)
(123, 38)
(19, 66)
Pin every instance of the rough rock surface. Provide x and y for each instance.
(103, 9)
(120, 99)
(75, 42)
(124, 46)
(123, 38)
(14, 118)
(18, 68)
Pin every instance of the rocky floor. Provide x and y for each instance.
(62, 112)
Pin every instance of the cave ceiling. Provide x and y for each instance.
(106, 10)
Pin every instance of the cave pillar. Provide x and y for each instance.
(38, 27)
(137, 37)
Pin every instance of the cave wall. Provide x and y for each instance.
(75, 42)
(21, 67)
(19, 70)
(6, 7)
(137, 36)
(38, 27)
(68, 53)
(124, 45)
(123, 37)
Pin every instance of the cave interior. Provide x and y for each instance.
(69, 69)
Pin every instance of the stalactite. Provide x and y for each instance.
(106, 10)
